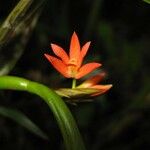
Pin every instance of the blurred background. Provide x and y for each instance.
(120, 36)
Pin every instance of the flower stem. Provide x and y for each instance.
(73, 83)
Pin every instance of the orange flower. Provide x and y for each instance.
(92, 84)
(70, 66)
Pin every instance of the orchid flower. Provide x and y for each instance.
(70, 66)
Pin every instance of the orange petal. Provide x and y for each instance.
(60, 53)
(83, 53)
(102, 89)
(92, 81)
(85, 49)
(86, 69)
(58, 65)
(74, 48)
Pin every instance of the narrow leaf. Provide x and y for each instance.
(22, 31)
(23, 120)
(13, 20)
(147, 1)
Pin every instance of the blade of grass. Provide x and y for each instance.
(23, 120)
(65, 120)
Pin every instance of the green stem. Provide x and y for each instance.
(74, 81)
(65, 120)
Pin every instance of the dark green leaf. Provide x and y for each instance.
(147, 1)
(23, 120)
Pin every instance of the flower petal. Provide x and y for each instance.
(85, 49)
(83, 53)
(86, 69)
(74, 48)
(102, 89)
(92, 81)
(60, 53)
(58, 65)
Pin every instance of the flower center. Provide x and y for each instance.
(73, 62)
(72, 70)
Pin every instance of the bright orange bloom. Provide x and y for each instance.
(92, 84)
(71, 66)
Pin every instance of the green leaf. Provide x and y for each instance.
(8, 62)
(64, 118)
(21, 31)
(13, 20)
(147, 1)
(23, 120)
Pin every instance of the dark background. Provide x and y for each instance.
(120, 35)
